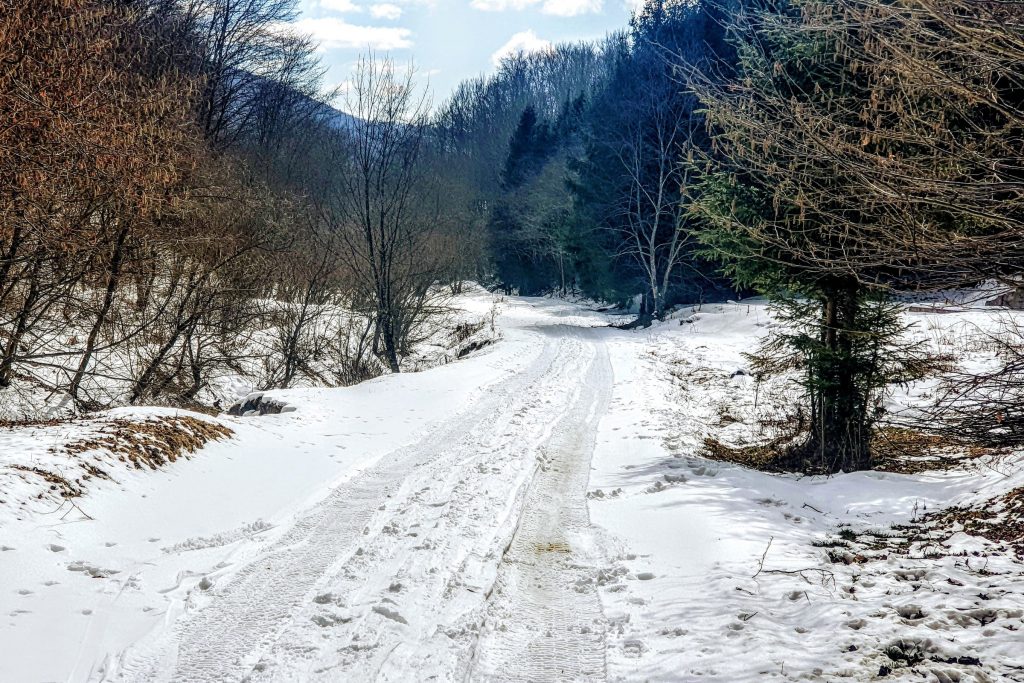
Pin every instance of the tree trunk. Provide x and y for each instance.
(142, 384)
(113, 278)
(291, 347)
(7, 260)
(388, 335)
(839, 432)
(10, 352)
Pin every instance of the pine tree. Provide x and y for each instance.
(782, 217)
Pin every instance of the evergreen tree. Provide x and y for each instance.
(782, 217)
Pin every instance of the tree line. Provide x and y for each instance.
(574, 159)
(828, 153)
(180, 203)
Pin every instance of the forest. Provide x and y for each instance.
(181, 198)
(693, 352)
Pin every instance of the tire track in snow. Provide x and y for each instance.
(226, 639)
(544, 619)
(409, 606)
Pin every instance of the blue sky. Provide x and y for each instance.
(450, 40)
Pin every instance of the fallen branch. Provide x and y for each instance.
(826, 575)
(760, 564)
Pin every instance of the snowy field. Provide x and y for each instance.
(536, 511)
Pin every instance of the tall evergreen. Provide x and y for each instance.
(780, 215)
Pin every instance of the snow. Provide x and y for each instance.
(702, 527)
(536, 510)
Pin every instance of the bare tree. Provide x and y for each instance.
(653, 215)
(152, 181)
(95, 150)
(376, 201)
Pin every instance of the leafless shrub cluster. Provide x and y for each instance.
(984, 407)
(163, 223)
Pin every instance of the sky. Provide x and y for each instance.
(450, 40)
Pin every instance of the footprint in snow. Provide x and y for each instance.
(328, 620)
(389, 614)
(633, 648)
(91, 570)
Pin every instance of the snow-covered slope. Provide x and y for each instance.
(689, 601)
(535, 511)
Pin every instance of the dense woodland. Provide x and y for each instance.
(180, 198)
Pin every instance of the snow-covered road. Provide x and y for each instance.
(395, 570)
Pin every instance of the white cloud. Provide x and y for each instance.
(558, 8)
(385, 10)
(571, 8)
(339, 6)
(333, 33)
(523, 42)
(501, 5)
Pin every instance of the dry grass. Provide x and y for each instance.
(139, 444)
(769, 457)
(999, 520)
(465, 330)
(893, 449)
(152, 443)
(725, 417)
(11, 424)
(908, 451)
(58, 484)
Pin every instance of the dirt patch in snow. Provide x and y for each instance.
(908, 451)
(769, 457)
(63, 471)
(893, 449)
(999, 520)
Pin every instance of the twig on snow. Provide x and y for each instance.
(760, 563)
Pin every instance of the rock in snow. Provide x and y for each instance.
(258, 403)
